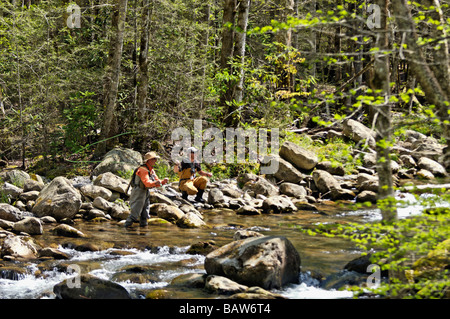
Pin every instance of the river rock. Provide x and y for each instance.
(189, 280)
(407, 161)
(244, 178)
(58, 199)
(11, 190)
(232, 192)
(29, 196)
(298, 156)
(223, 286)
(324, 181)
(293, 190)
(119, 212)
(286, 171)
(332, 168)
(215, 196)
(248, 210)
(67, 231)
(11, 213)
(18, 247)
(167, 212)
(367, 196)
(53, 253)
(94, 191)
(87, 286)
(15, 177)
(262, 187)
(342, 194)
(112, 182)
(191, 220)
(29, 225)
(118, 160)
(32, 185)
(156, 197)
(269, 262)
(278, 205)
(102, 204)
(245, 233)
(432, 166)
(358, 132)
(425, 174)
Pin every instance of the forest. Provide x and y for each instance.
(78, 78)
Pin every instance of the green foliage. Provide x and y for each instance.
(413, 250)
(81, 117)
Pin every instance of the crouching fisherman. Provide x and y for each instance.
(190, 184)
(144, 178)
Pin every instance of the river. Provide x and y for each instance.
(162, 251)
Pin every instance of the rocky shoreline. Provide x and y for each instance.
(300, 184)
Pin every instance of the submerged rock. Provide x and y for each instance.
(89, 287)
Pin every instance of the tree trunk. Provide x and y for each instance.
(239, 51)
(112, 75)
(382, 118)
(229, 15)
(142, 89)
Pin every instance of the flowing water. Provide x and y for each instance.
(161, 250)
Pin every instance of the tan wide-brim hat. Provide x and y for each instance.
(150, 155)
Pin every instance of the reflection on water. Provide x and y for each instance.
(161, 251)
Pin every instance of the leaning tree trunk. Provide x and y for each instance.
(111, 87)
(382, 118)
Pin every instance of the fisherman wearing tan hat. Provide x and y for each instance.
(143, 178)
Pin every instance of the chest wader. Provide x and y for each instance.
(191, 185)
(139, 201)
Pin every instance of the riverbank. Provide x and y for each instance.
(41, 219)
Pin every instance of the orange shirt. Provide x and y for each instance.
(145, 178)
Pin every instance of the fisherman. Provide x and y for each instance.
(190, 183)
(144, 178)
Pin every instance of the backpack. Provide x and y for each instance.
(139, 184)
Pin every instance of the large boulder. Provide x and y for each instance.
(298, 156)
(89, 287)
(58, 199)
(269, 262)
(358, 132)
(118, 160)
